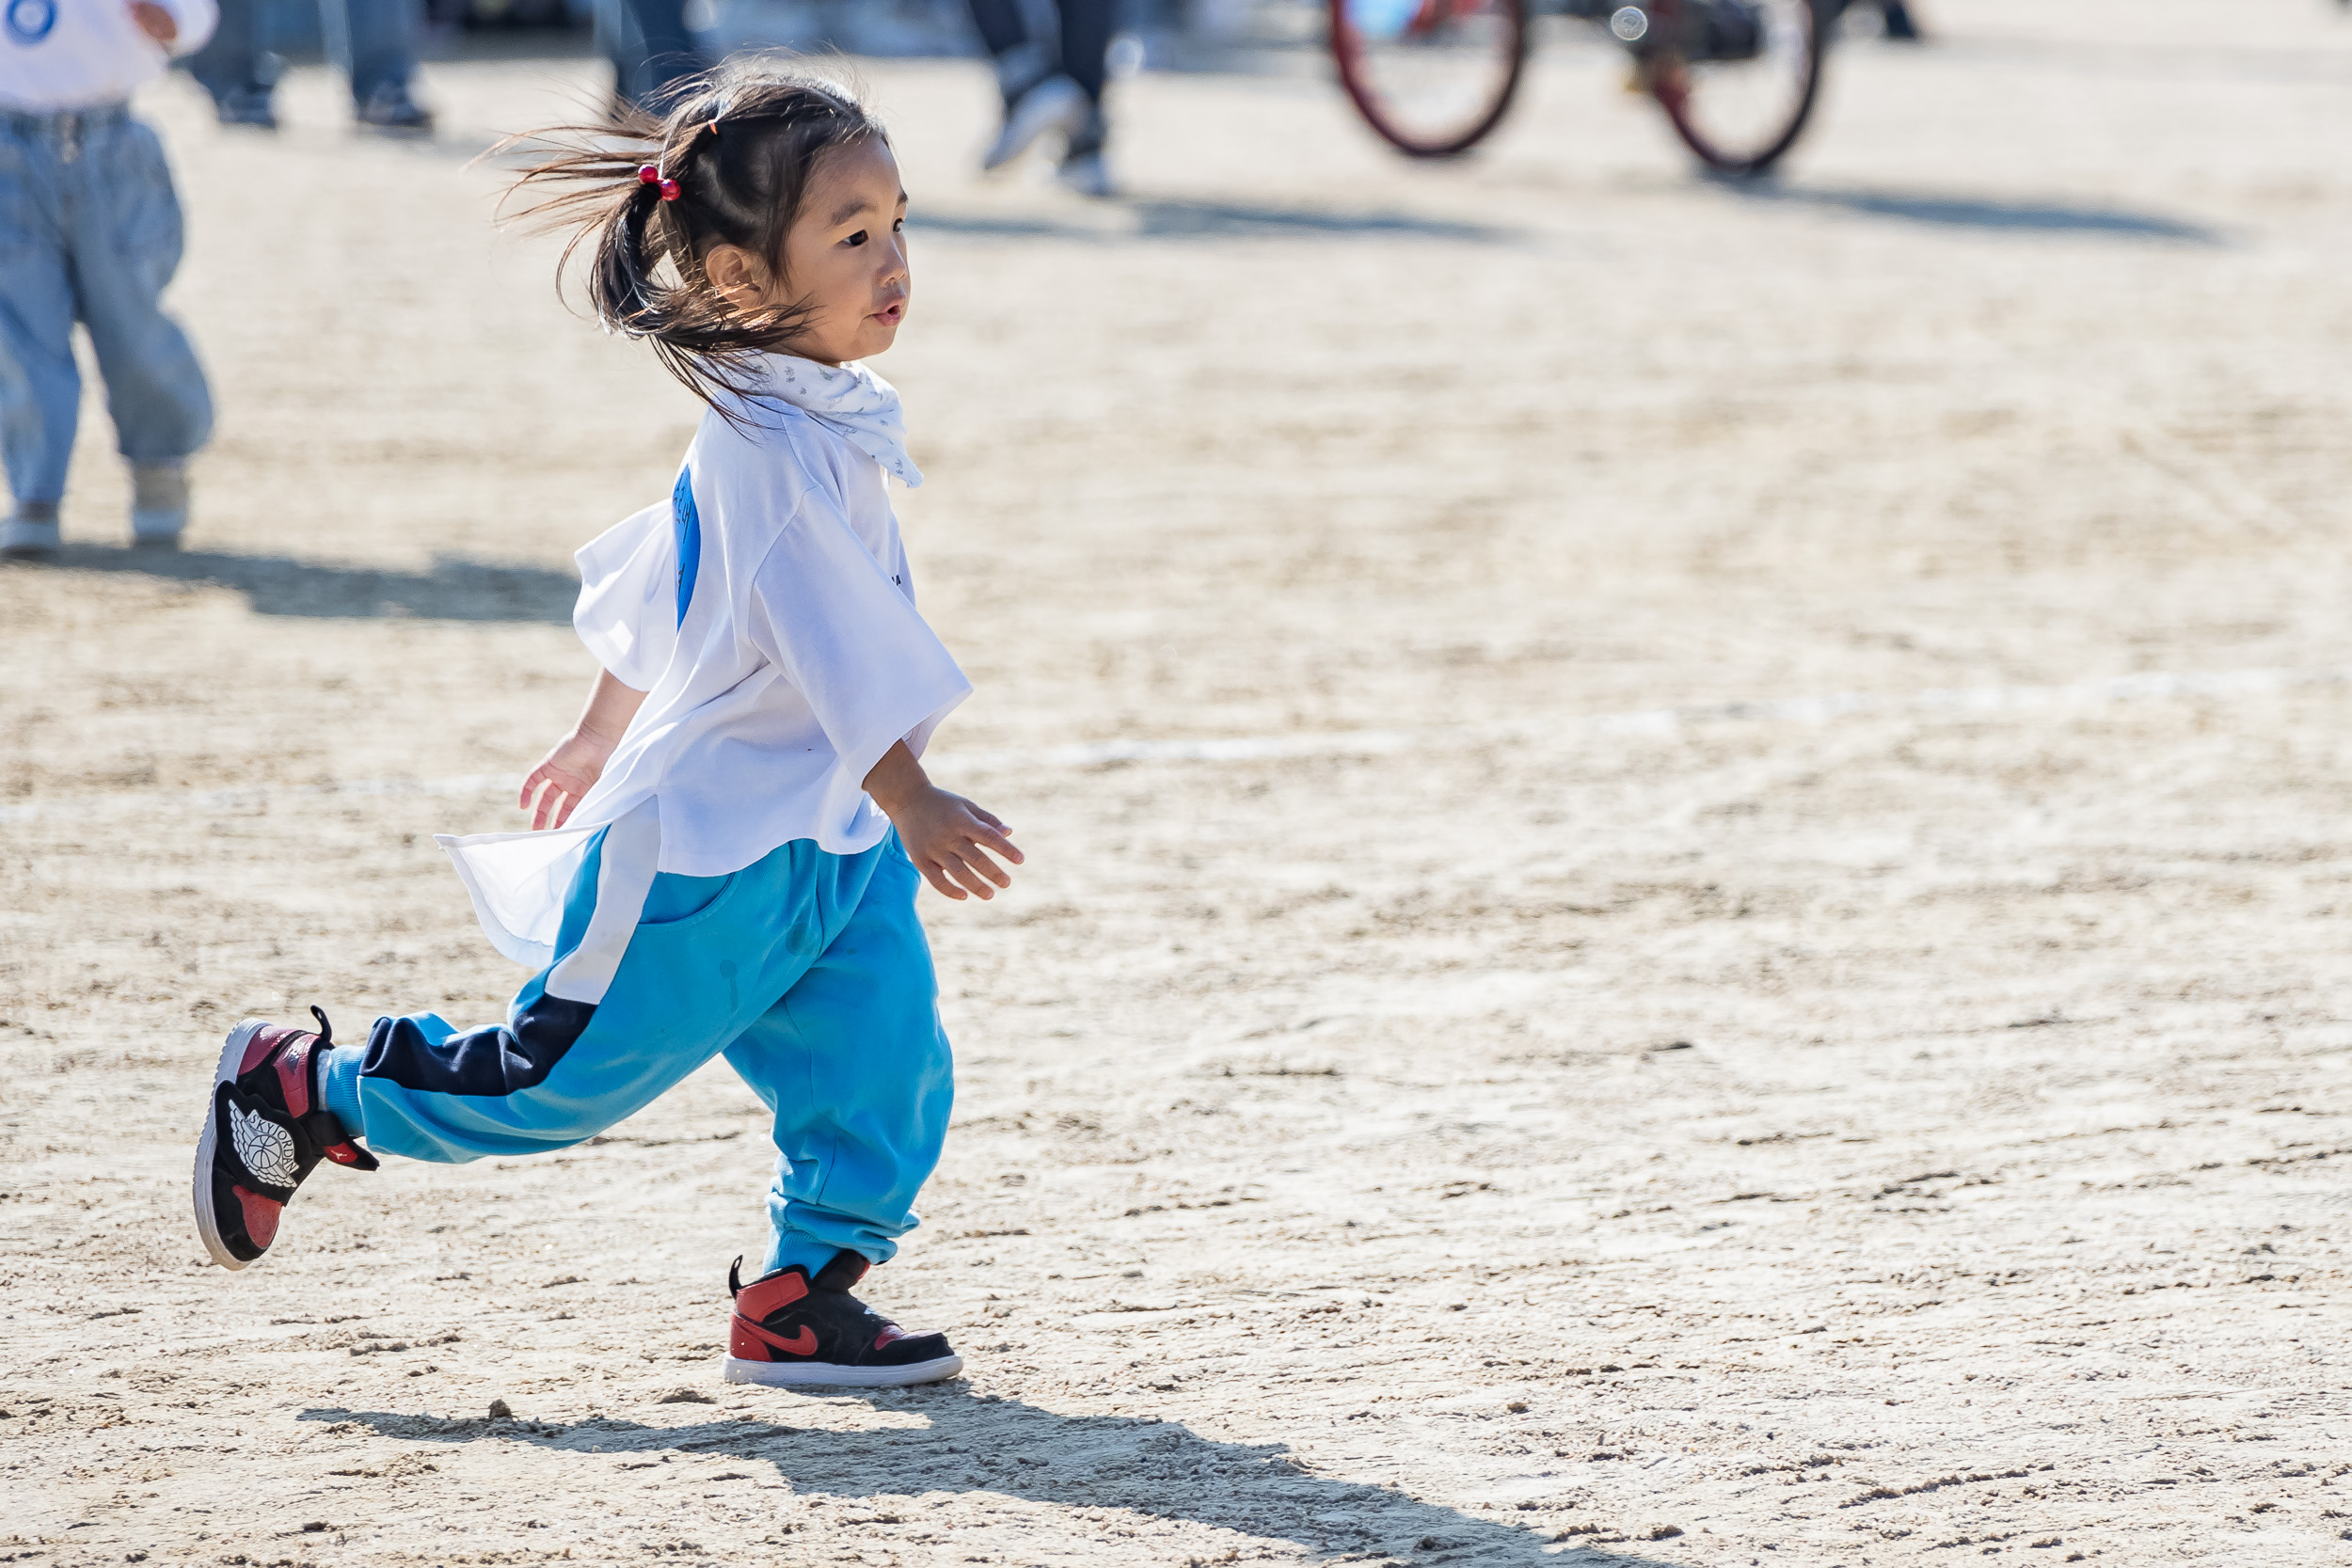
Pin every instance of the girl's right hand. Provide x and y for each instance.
(551, 789)
(572, 769)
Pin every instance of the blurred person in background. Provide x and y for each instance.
(89, 231)
(650, 49)
(375, 41)
(1058, 92)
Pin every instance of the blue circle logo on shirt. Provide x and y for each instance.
(29, 21)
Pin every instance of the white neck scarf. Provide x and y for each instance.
(849, 400)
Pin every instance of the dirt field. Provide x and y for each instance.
(1689, 895)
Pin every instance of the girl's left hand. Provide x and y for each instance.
(551, 789)
(947, 837)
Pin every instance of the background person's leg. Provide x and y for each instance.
(126, 247)
(668, 54)
(1021, 61)
(858, 1074)
(230, 67)
(40, 390)
(1086, 38)
(375, 42)
(1001, 25)
(335, 25)
(1039, 98)
(1086, 43)
(618, 40)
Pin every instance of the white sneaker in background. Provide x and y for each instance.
(30, 532)
(159, 505)
(1056, 104)
(391, 108)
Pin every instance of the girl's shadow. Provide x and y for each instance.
(976, 1443)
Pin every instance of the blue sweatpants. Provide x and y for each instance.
(807, 970)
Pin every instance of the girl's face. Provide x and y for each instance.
(846, 258)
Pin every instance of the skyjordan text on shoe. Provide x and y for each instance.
(265, 1130)
(791, 1331)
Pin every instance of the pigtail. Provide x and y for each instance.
(731, 162)
(621, 286)
(584, 182)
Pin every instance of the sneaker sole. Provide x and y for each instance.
(785, 1374)
(207, 1142)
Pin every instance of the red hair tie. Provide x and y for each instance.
(648, 175)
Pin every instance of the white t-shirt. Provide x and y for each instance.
(60, 55)
(767, 612)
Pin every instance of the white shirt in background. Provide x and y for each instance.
(61, 55)
(767, 612)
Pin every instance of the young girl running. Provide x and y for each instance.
(726, 845)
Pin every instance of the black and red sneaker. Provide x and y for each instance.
(266, 1132)
(793, 1331)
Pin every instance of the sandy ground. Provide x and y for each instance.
(1761, 978)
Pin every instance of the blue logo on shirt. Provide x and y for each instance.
(687, 525)
(29, 21)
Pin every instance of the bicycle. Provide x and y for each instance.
(1735, 78)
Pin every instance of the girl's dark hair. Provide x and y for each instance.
(741, 143)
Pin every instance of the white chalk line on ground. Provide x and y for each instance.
(2153, 686)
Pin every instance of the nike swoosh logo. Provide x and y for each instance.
(803, 1343)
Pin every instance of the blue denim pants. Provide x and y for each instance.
(89, 231)
(373, 40)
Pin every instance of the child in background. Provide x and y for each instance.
(89, 231)
(730, 838)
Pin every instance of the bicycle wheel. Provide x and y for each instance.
(1430, 75)
(1736, 77)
